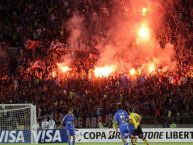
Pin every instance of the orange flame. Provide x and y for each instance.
(63, 67)
(151, 67)
(132, 72)
(104, 71)
(144, 11)
(143, 33)
(53, 74)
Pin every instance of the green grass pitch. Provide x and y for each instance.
(110, 144)
(130, 144)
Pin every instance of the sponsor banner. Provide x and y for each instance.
(94, 135)
(51, 136)
(153, 135)
(24, 136)
(13, 136)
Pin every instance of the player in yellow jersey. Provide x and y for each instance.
(135, 121)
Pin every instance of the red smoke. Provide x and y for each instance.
(131, 41)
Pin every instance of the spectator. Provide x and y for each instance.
(51, 123)
(44, 124)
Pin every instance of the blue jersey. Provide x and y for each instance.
(121, 117)
(69, 121)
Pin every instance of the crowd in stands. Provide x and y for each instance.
(162, 94)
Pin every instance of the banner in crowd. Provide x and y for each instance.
(153, 135)
(87, 122)
(24, 136)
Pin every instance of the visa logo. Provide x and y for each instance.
(11, 136)
(24, 136)
(47, 136)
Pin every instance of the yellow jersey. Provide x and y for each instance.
(135, 119)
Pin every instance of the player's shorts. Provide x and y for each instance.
(138, 132)
(70, 132)
(131, 128)
(124, 130)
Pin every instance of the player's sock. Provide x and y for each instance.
(133, 140)
(73, 142)
(69, 142)
(126, 143)
(145, 141)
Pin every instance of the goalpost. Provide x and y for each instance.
(18, 123)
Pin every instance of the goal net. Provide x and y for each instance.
(17, 123)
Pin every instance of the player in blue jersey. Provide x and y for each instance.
(68, 121)
(121, 119)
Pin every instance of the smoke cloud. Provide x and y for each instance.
(75, 27)
(123, 46)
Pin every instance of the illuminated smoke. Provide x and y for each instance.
(143, 33)
(63, 67)
(144, 11)
(131, 40)
(54, 74)
(75, 27)
(132, 72)
(104, 71)
(151, 67)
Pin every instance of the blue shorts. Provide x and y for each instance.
(70, 131)
(131, 129)
(124, 130)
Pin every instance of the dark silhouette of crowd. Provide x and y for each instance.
(164, 94)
